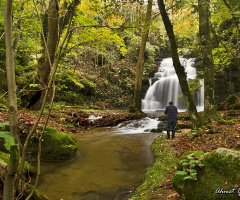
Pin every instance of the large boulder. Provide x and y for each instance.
(211, 176)
(55, 145)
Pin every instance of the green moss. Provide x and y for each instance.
(194, 153)
(227, 166)
(178, 183)
(4, 157)
(55, 145)
(28, 169)
(221, 170)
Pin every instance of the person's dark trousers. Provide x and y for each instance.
(173, 134)
(168, 134)
(171, 124)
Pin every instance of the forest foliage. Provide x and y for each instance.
(98, 62)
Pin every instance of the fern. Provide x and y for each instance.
(188, 164)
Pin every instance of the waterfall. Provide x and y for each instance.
(166, 87)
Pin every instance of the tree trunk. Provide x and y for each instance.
(56, 25)
(139, 69)
(180, 71)
(44, 67)
(11, 170)
(64, 20)
(207, 59)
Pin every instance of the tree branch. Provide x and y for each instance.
(44, 101)
(41, 111)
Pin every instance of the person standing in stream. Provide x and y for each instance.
(171, 112)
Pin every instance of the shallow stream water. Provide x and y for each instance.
(110, 162)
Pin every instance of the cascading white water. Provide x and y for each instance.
(167, 87)
(138, 126)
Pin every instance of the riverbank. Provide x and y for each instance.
(222, 132)
(157, 184)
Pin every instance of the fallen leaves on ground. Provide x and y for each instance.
(72, 120)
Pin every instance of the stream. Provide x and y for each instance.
(110, 163)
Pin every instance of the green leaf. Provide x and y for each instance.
(4, 124)
(181, 173)
(192, 171)
(185, 163)
(183, 160)
(194, 162)
(33, 85)
(190, 177)
(9, 140)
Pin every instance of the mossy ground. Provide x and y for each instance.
(157, 184)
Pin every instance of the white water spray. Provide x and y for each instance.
(138, 126)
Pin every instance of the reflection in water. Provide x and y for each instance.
(107, 164)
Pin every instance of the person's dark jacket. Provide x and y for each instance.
(171, 112)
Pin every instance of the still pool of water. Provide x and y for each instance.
(108, 164)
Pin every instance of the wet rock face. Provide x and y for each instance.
(161, 126)
(218, 176)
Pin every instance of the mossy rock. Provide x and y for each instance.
(27, 170)
(55, 145)
(218, 179)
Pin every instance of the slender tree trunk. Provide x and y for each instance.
(187, 96)
(140, 63)
(44, 67)
(11, 170)
(207, 59)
